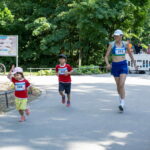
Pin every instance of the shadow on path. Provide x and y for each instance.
(91, 123)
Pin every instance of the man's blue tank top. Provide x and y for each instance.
(119, 51)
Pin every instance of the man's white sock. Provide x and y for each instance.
(122, 102)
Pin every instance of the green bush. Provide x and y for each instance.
(83, 70)
(46, 72)
(87, 70)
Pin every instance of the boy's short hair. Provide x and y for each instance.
(62, 56)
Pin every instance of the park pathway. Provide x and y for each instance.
(91, 123)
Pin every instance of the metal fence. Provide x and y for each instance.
(7, 97)
(80, 68)
(38, 69)
(5, 93)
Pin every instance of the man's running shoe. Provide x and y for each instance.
(63, 100)
(121, 108)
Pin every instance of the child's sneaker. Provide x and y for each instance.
(27, 111)
(63, 100)
(22, 119)
(68, 104)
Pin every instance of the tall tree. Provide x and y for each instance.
(79, 28)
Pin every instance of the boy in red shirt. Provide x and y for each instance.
(21, 90)
(64, 71)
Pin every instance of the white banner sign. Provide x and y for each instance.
(8, 45)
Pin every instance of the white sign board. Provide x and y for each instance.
(8, 45)
(142, 61)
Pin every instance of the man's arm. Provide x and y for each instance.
(108, 66)
(131, 56)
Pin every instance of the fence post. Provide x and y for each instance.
(30, 71)
(6, 99)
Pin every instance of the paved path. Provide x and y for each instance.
(92, 123)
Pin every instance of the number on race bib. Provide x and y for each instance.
(20, 86)
(120, 51)
(62, 70)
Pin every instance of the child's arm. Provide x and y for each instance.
(70, 71)
(56, 69)
(9, 76)
(29, 87)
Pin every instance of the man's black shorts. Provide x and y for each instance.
(65, 87)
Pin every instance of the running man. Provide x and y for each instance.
(119, 67)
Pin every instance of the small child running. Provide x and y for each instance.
(21, 91)
(63, 72)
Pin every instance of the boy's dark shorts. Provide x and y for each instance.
(65, 87)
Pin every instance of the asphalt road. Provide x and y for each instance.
(91, 123)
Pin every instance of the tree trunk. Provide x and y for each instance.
(80, 57)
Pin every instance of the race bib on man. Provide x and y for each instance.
(20, 86)
(120, 51)
(62, 70)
